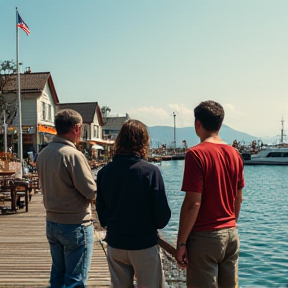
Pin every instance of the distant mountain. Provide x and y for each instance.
(165, 135)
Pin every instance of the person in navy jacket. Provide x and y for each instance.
(131, 202)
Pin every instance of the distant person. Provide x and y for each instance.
(93, 158)
(208, 243)
(36, 155)
(94, 154)
(235, 144)
(131, 202)
(68, 188)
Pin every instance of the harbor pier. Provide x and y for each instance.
(25, 259)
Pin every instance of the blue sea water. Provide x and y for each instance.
(262, 226)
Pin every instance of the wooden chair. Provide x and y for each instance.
(5, 194)
(5, 191)
(19, 188)
(34, 183)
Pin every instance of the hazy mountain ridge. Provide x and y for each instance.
(165, 135)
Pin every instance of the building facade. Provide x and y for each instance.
(38, 101)
(112, 126)
(92, 121)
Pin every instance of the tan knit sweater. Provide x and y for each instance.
(66, 181)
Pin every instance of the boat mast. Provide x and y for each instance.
(282, 132)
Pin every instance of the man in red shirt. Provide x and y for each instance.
(208, 243)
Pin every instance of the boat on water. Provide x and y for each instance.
(176, 156)
(267, 156)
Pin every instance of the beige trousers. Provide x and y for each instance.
(213, 259)
(143, 266)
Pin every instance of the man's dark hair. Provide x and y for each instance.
(65, 120)
(133, 138)
(210, 114)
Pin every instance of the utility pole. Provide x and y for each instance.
(5, 130)
(174, 115)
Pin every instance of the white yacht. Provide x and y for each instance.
(273, 155)
(267, 156)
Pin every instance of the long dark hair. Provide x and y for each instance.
(133, 138)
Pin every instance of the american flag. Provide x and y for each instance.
(21, 24)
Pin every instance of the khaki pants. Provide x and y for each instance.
(143, 265)
(213, 259)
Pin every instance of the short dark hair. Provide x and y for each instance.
(210, 114)
(66, 119)
(133, 138)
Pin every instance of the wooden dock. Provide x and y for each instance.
(25, 259)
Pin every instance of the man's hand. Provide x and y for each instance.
(181, 256)
(188, 215)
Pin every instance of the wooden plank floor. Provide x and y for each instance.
(24, 251)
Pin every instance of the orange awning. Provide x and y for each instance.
(46, 129)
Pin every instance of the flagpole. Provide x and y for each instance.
(20, 144)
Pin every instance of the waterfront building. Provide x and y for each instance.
(38, 99)
(40, 103)
(112, 126)
(92, 121)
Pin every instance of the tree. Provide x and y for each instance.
(105, 110)
(7, 108)
(7, 67)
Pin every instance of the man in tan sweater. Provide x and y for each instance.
(68, 188)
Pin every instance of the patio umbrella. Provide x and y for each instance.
(97, 147)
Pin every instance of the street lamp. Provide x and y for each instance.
(174, 115)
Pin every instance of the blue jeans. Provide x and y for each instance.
(71, 247)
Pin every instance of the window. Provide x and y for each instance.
(43, 111)
(274, 154)
(49, 113)
(84, 132)
(95, 132)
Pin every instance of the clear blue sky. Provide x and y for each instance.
(150, 58)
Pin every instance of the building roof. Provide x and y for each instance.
(31, 83)
(115, 123)
(86, 109)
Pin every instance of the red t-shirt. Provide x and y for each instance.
(216, 171)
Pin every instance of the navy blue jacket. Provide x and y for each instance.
(131, 202)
